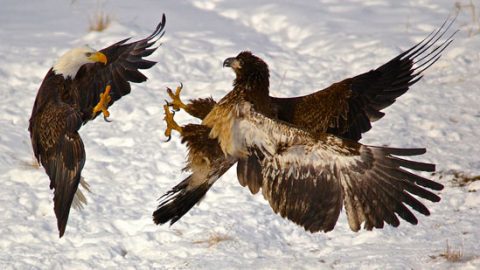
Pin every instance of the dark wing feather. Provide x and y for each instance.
(249, 173)
(174, 204)
(60, 150)
(66, 169)
(347, 108)
(44, 96)
(307, 179)
(124, 60)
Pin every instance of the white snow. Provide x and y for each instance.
(308, 45)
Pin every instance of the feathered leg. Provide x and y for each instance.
(207, 164)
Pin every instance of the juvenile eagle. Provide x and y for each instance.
(70, 96)
(303, 152)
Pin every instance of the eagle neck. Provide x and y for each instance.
(257, 95)
(256, 84)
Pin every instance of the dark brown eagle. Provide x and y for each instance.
(303, 152)
(71, 94)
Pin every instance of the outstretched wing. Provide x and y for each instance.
(59, 148)
(307, 179)
(347, 108)
(124, 60)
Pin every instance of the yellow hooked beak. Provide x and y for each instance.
(98, 57)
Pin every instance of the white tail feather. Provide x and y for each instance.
(79, 200)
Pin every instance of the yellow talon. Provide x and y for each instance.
(171, 124)
(102, 104)
(176, 103)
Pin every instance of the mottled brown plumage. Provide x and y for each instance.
(303, 152)
(200, 107)
(66, 100)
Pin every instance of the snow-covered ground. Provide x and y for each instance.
(308, 45)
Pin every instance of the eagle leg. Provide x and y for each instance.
(171, 124)
(102, 104)
(176, 103)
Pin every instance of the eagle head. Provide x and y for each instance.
(249, 69)
(70, 62)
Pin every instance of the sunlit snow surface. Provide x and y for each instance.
(308, 45)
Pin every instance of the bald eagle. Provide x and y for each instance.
(71, 94)
(303, 152)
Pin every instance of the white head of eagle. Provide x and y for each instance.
(70, 62)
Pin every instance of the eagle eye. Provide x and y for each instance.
(88, 54)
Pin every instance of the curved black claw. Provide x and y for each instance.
(106, 119)
(169, 138)
(170, 104)
(176, 103)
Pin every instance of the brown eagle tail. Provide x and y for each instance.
(178, 201)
